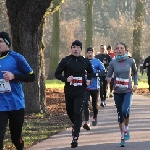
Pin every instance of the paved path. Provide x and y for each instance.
(106, 135)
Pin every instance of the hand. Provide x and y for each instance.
(147, 64)
(70, 78)
(88, 82)
(134, 88)
(8, 76)
(109, 80)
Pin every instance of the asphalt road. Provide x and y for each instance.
(106, 135)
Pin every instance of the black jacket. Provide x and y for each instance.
(105, 57)
(147, 60)
(74, 66)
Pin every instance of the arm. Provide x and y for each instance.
(144, 64)
(110, 71)
(89, 70)
(59, 70)
(134, 70)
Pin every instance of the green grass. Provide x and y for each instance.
(54, 84)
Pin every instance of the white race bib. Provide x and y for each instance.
(4, 86)
(77, 81)
(122, 83)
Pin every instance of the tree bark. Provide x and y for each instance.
(89, 24)
(137, 32)
(26, 20)
(54, 53)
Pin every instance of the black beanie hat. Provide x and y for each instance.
(109, 47)
(77, 43)
(6, 38)
(89, 49)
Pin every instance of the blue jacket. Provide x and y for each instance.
(96, 65)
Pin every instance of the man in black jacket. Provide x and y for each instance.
(105, 59)
(74, 67)
(146, 64)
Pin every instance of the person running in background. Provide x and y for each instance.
(93, 89)
(110, 51)
(122, 66)
(74, 67)
(141, 65)
(105, 59)
(112, 79)
(14, 69)
(146, 65)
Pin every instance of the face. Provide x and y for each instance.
(115, 52)
(3, 46)
(76, 50)
(120, 49)
(90, 55)
(102, 49)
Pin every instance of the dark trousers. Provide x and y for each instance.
(94, 95)
(123, 104)
(16, 119)
(103, 88)
(112, 85)
(74, 107)
(149, 81)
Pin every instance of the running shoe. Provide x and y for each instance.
(102, 104)
(87, 126)
(126, 135)
(74, 143)
(94, 122)
(122, 143)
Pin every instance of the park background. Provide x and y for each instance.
(43, 31)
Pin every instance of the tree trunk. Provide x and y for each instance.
(54, 53)
(89, 23)
(137, 31)
(26, 20)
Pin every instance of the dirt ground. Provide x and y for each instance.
(56, 103)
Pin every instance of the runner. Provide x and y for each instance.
(105, 59)
(14, 69)
(93, 89)
(122, 67)
(74, 67)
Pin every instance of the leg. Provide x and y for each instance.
(94, 94)
(126, 110)
(105, 85)
(3, 124)
(86, 106)
(16, 119)
(119, 101)
(79, 101)
(87, 110)
(70, 106)
(102, 94)
(111, 87)
(149, 81)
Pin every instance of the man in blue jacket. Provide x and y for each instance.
(93, 89)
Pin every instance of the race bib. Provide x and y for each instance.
(122, 83)
(4, 86)
(77, 81)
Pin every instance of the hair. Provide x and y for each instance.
(125, 46)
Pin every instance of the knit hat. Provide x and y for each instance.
(109, 47)
(6, 38)
(89, 49)
(77, 43)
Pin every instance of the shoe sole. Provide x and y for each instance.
(86, 127)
